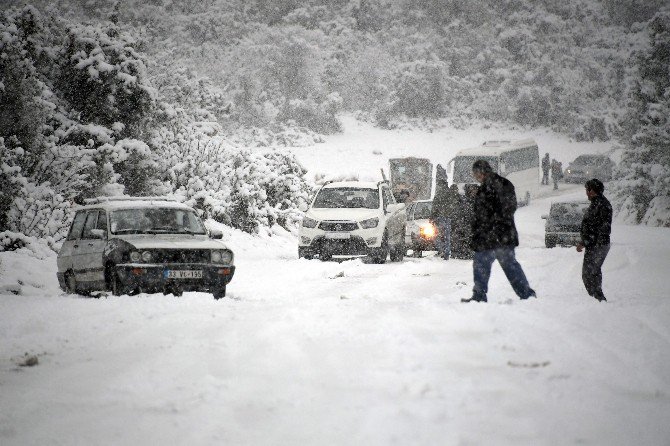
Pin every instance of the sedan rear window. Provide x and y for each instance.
(155, 221)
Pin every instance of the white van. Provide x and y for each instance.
(518, 161)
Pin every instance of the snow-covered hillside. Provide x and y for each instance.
(307, 352)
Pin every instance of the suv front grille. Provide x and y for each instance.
(338, 226)
(180, 255)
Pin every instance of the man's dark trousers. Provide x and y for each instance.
(592, 275)
(512, 269)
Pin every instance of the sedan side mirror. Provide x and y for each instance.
(545, 216)
(215, 234)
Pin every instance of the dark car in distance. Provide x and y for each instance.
(585, 167)
(563, 223)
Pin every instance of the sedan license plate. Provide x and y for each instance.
(182, 274)
(338, 235)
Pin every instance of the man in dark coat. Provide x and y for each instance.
(442, 212)
(494, 234)
(595, 234)
(546, 164)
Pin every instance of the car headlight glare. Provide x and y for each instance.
(146, 256)
(369, 223)
(216, 256)
(135, 256)
(309, 222)
(427, 230)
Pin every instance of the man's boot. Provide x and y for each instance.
(474, 299)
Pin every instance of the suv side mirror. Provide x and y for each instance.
(98, 234)
(215, 234)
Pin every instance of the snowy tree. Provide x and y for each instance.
(643, 186)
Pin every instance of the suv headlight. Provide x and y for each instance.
(146, 256)
(135, 256)
(309, 222)
(370, 223)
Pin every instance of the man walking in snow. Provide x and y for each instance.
(494, 234)
(545, 169)
(595, 234)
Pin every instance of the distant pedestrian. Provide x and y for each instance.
(494, 234)
(546, 165)
(555, 172)
(595, 238)
(440, 215)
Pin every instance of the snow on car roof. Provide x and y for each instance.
(133, 203)
(357, 184)
(495, 148)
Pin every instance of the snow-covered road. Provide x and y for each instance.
(306, 352)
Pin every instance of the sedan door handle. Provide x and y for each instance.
(76, 246)
(90, 244)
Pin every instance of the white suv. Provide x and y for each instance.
(353, 218)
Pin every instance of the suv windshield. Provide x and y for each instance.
(155, 221)
(422, 210)
(568, 212)
(347, 197)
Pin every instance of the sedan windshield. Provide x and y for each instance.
(347, 197)
(155, 221)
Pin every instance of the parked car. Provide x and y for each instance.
(354, 218)
(563, 223)
(145, 244)
(420, 233)
(585, 167)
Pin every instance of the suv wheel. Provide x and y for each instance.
(380, 254)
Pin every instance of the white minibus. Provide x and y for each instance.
(518, 161)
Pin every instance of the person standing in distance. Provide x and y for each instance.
(595, 238)
(441, 213)
(494, 234)
(546, 164)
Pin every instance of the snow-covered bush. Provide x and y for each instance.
(242, 187)
(11, 241)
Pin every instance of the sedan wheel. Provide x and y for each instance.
(115, 283)
(70, 283)
(219, 293)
